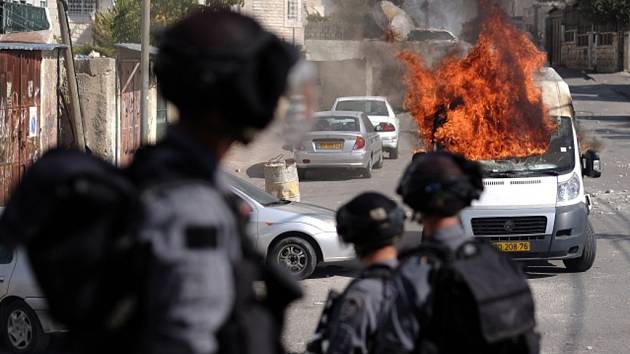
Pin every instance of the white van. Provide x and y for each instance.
(536, 207)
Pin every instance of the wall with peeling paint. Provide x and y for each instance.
(97, 91)
(49, 104)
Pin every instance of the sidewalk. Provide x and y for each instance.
(618, 82)
(248, 161)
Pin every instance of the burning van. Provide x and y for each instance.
(535, 206)
(501, 106)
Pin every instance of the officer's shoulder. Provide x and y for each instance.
(414, 266)
(365, 287)
(184, 191)
(190, 199)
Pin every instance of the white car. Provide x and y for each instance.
(380, 113)
(25, 324)
(298, 236)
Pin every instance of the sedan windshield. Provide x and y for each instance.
(369, 107)
(252, 191)
(558, 159)
(336, 124)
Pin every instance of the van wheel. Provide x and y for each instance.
(21, 329)
(296, 255)
(585, 262)
(393, 153)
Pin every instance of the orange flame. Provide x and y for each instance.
(489, 104)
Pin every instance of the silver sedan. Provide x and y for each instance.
(340, 140)
(298, 236)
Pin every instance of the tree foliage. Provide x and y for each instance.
(122, 23)
(607, 10)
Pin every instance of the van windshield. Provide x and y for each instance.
(558, 159)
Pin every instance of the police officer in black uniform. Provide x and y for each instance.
(437, 186)
(372, 223)
(225, 74)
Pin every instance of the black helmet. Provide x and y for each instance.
(370, 221)
(220, 62)
(440, 183)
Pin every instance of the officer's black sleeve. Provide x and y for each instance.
(400, 330)
(352, 324)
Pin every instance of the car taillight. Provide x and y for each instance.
(387, 127)
(359, 143)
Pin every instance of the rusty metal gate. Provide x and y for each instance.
(130, 80)
(19, 116)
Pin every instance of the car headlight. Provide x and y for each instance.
(570, 189)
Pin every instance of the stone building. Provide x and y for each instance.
(80, 16)
(284, 17)
(574, 41)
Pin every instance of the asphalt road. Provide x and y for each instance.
(577, 313)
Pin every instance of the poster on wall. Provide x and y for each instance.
(33, 122)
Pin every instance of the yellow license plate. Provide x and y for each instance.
(330, 146)
(513, 246)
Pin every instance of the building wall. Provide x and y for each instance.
(601, 58)
(49, 102)
(273, 15)
(575, 57)
(81, 31)
(97, 91)
(608, 56)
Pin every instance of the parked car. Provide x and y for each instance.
(380, 113)
(24, 320)
(298, 236)
(340, 139)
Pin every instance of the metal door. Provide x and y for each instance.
(130, 111)
(19, 116)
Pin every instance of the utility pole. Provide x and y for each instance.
(144, 71)
(425, 9)
(75, 106)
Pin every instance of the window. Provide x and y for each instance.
(368, 124)
(582, 40)
(369, 107)
(43, 3)
(81, 8)
(336, 124)
(605, 39)
(293, 10)
(569, 36)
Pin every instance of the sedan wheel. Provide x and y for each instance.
(23, 332)
(296, 255)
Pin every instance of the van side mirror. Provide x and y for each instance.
(591, 164)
